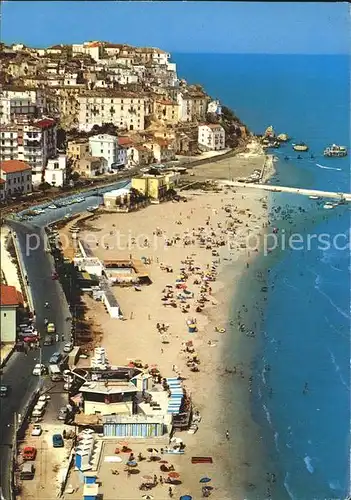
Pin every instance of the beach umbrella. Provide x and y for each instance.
(205, 479)
(186, 497)
(147, 478)
(174, 475)
(148, 497)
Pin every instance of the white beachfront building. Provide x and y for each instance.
(212, 136)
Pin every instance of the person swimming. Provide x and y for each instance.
(305, 389)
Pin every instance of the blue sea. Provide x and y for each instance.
(301, 397)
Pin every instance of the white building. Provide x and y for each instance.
(17, 177)
(104, 145)
(55, 171)
(14, 103)
(126, 110)
(214, 107)
(31, 142)
(212, 136)
(94, 49)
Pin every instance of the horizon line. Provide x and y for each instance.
(347, 53)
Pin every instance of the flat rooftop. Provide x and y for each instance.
(108, 387)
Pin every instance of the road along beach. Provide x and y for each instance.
(205, 247)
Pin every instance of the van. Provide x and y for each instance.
(28, 470)
(55, 373)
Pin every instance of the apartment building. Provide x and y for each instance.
(16, 176)
(167, 110)
(126, 110)
(17, 102)
(31, 141)
(106, 146)
(211, 136)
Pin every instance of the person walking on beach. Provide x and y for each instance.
(227, 435)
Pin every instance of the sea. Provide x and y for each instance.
(301, 387)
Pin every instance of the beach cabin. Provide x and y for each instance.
(106, 397)
(136, 426)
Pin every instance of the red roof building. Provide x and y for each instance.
(14, 166)
(45, 123)
(9, 296)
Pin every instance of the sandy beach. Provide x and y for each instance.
(223, 401)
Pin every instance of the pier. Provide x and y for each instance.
(285, 189)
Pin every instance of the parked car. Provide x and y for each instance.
(27, 471)
(39, 370)
(4, 391)
(68, 347)
(29, 453)
(55, 358)
(57, 441)
(37, 430)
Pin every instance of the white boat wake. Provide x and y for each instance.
(327, 168)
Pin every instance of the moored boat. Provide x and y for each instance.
(335, 151)
(313, 197)
(283, 137)
(301, 146)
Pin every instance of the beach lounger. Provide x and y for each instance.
(201, 460)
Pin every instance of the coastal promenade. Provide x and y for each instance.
(285, 189)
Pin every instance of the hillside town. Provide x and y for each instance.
(91, 109)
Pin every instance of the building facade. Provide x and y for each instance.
(125, 110)
(55, 171)
(31, 142)
(17, 177)
(10, 300)
(211, 136)
(104, 145)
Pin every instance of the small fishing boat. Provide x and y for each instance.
(92, 208)
(301, 146)
(313, 197)
(52, 207)
(328, 205)
(335, 151)
(283, 138)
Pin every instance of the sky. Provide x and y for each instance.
(175, 26)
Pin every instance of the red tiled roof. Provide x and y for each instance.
(12, 166)
(46, 122)
(9, 296)
(125, 141)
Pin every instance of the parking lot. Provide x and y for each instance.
(49, 461)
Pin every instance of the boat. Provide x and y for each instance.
(301, 146)
(335, 151)
(79, 199)
(282, 138)
(52, 207)
(92, 208)
(313, 197)
(328, 205)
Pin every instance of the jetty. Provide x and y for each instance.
(285, 189)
